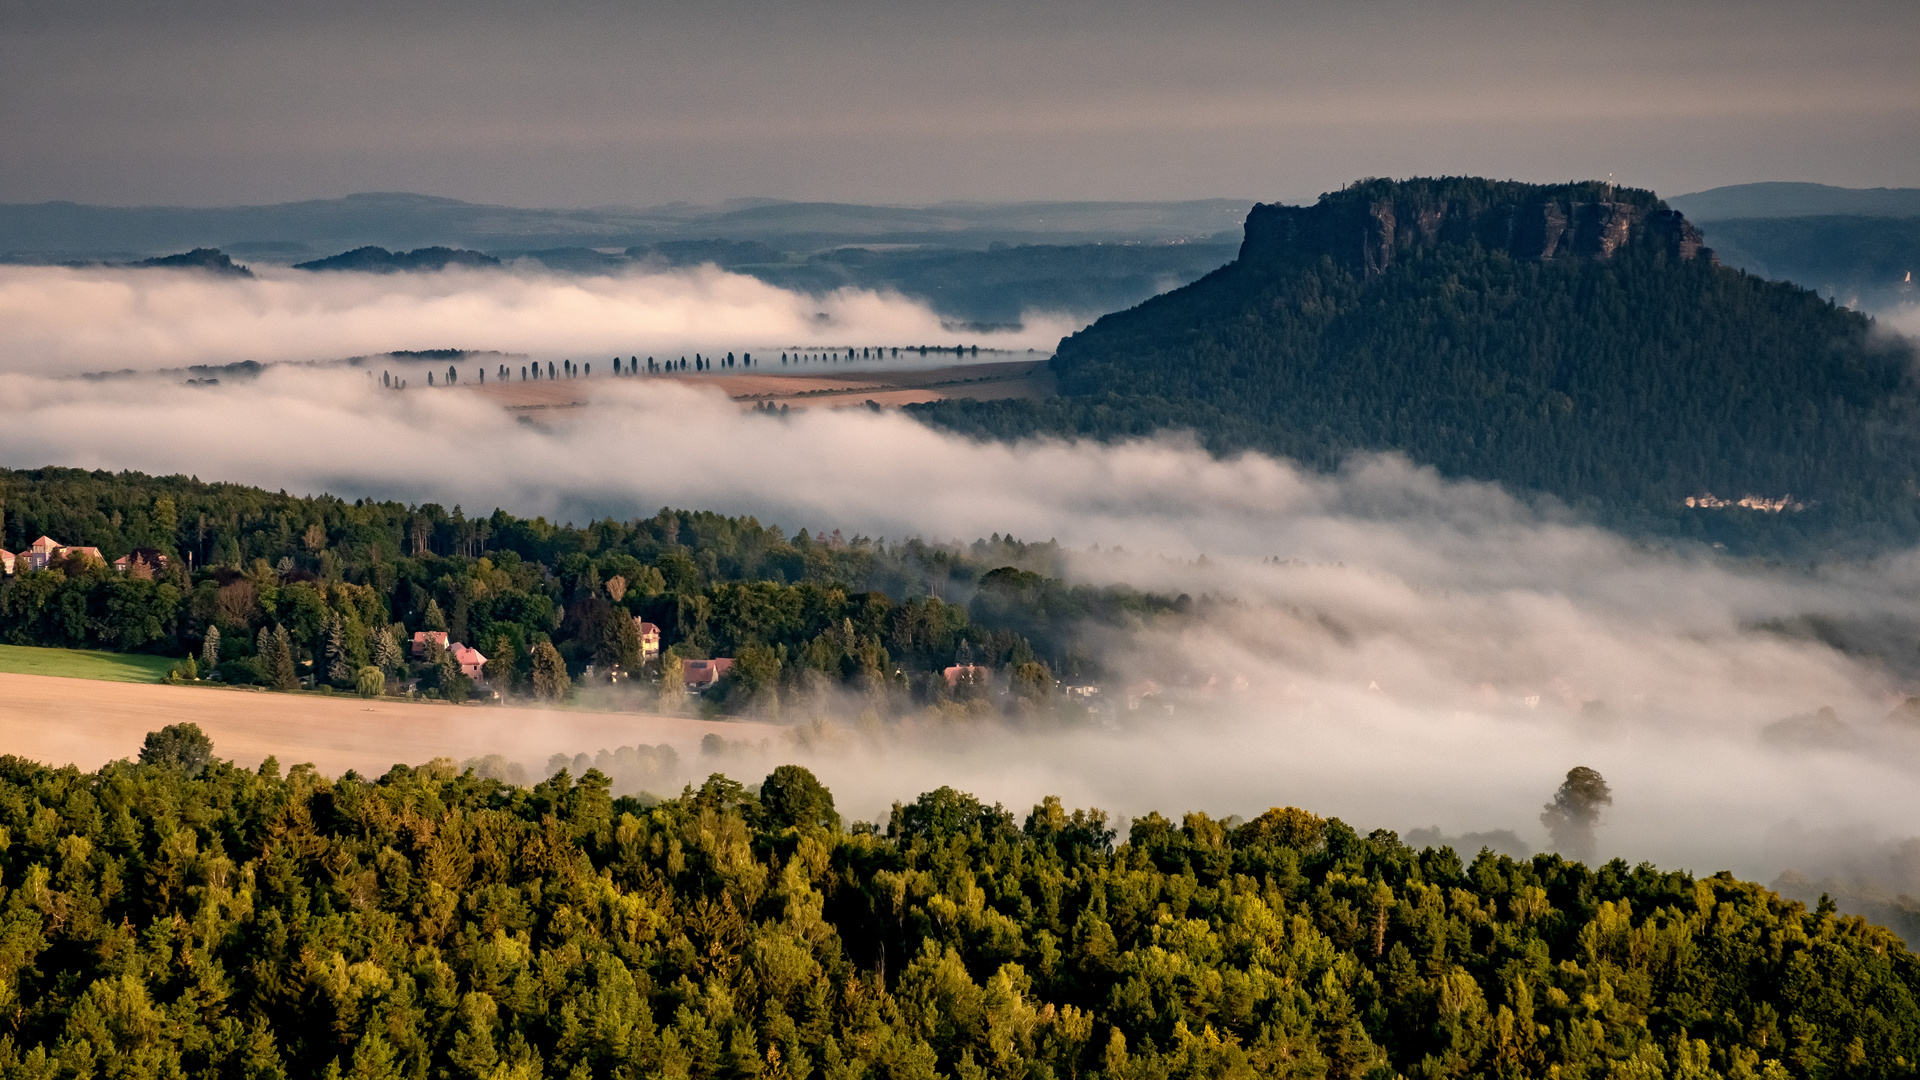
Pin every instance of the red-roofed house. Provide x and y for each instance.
(41, 552)
(421, 637)
(649, 639)
(6, 561)
(90, 554)
(977, 673)
(702, 674)
(153, 559)
(472, 662)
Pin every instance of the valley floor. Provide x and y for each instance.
(89, 723)
(804, 387)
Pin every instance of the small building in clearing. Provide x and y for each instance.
(649, 639)
(978, 674)
(150, 558)
(422, 637)
(472, 663)
(702, 674)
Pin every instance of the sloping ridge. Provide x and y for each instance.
(1576, 340)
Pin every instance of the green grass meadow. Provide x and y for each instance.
(83, 664)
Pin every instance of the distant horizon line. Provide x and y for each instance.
(747, 202)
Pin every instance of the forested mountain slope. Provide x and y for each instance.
(1576, 340)
(181, 917)
(1863, 262)
(233, 566)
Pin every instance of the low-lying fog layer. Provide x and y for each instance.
(1414, 652)
(72, 320)
(1421, 653)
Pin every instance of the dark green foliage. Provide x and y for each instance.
(1621, 385)
(183, 746)
(1575, 810)
(445, 926)
(349, 584)
(211, 260)
(793, 796)
(378, 260)
(1864, 259)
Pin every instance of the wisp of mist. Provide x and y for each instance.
(1413, 651)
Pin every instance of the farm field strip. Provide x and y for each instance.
(61, 721)
(83, 664)
(1014, 378)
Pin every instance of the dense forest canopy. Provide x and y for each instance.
(801, 612)
(1575, 340)
(182, 916)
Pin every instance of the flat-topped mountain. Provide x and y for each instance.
(1576, 340)
(1367, 227)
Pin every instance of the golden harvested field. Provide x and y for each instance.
(799, 389)
(89, 723)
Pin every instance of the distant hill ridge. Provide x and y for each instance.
(1786, 199)
(212, 260)
(1573, 339)
(380, 260)
(53, 231)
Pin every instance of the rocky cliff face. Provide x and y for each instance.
(1371, 225)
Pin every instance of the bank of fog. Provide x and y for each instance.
(73, 320)
(1383, 645)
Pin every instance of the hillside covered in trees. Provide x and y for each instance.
(1576, 340)
(184, 917)
(294, 590)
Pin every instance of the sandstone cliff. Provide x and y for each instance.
(1369, 226)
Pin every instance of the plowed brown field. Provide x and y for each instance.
(88, 723)
(803, 389)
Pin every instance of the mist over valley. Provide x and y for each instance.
(852, 542)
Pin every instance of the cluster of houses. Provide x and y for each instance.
(46, 551)
(472, 662)
(699, 675)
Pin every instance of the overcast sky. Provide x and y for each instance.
(580, 104)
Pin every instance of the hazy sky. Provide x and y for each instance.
(601, 102)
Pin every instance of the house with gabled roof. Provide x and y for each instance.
(422, 637)
(41, 552)
(90, 554)
(151, 558)
(473, 663)
(649, 639)
(6, 561)
(703, 674)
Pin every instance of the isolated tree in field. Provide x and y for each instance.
(1575, 810)
(369, 682)
(210, 649)
(550, 681)
(793, 796)
(184, 746)
(432, 619)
